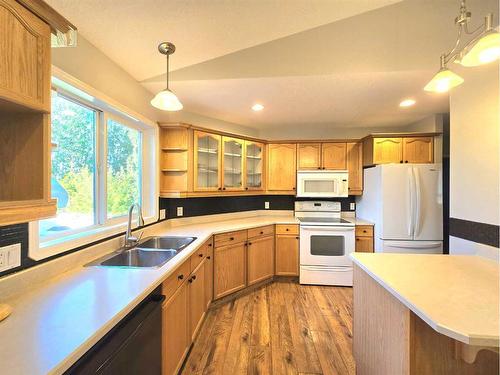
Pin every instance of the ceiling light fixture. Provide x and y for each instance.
(166, 100)
(257, 107)
(483, 48)
(407, 103)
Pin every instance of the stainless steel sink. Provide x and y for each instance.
(153, 252)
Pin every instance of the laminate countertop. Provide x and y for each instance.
(56, 322)
(457, 295)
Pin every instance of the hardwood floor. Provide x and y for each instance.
(282, 328)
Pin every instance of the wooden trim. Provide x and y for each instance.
(22, 212)
(401, 135)
(49, 15)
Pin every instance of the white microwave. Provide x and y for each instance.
(325, 184)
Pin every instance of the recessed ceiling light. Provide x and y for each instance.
(257, 107)
(407, 103)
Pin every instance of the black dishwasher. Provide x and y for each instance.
(132, 347)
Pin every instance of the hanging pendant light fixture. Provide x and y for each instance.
(482, 49)
(166, 100)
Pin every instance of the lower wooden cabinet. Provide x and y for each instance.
(197, 305)
(209, 274)
(260, 259)
(229, 269)
(287, 255)
(364, 239)
(175, 337)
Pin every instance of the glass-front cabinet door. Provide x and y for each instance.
(232, 163)
(207, 161)
(254, 155)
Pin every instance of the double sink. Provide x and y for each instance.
(153, 252)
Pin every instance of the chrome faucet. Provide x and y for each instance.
(131, 241)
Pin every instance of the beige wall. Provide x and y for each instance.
(474, 151)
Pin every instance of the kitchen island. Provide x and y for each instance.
(425, 314)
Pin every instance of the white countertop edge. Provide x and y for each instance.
(464, 338)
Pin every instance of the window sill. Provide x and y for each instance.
(41, 250)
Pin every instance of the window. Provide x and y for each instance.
(103, 161)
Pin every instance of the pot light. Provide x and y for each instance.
(407, 103)
(166, 100)
(257, 107)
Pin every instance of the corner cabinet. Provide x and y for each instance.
(282, 167)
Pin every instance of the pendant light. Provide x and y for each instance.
(166, 100)
(482, 49)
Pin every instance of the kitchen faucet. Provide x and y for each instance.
(131, 241)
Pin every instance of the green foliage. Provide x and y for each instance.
(80, 187)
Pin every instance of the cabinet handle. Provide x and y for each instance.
(406, 161)
(261, 232)
(219, 189)
(190, 280)
(246, 188)
(180, 277)
(293, 188)
(319, 167)
(209, 245)
(231, 238)
(194, 277)
(208, 257)
(401, 161)
(200, 255)
(249, 243)
(223, 188)
(287, 229)
(297, 237)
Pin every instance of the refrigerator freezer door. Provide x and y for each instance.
(429, 202)
(411, 247)
(398, 201)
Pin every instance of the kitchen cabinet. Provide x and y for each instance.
(309, 156)
(197, 296)
(209, 274)
(260, 258)
(418, 150)
(331, 156)
(287, 250)
(175, 336)
(398, 148)
(229, 263)
(364, 239)
(207, 161)
(282, 167)
(354, 151)
(232, 163)
(254, 165)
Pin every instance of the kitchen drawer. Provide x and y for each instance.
(201, 253)
(364, 230)
(225, 239)
(175, 280)
(364, 244)
(261, 231)
(287, 229)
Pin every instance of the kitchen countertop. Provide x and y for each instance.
(457, 295)
(57, 321)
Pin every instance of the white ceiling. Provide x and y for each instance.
(314, 62)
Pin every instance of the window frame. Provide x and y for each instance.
(104, 227)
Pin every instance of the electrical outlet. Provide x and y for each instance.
(180, 211)
(353, 206)
(163, 214)
(10, 257)
(266, 205)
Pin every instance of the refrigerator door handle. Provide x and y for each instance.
(428, 245)
(418, 199)
(411, 200)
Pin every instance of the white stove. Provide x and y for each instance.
(326, 241)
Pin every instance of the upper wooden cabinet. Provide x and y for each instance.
(330, 156)
(24, 58)
(355, 167)
(282, 167)
(232, 163)
(254, 165)
(207, 161)
(403, 148)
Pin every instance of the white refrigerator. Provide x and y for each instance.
(405, 201)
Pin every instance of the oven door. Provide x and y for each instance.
(326, 245)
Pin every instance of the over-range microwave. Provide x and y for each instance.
(324, 184)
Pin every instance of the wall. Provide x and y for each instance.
(474, 163)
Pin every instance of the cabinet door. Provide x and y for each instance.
(209, 275)
(197, 305)
(333, 156)
(260, 259)
(309, 156)
(364, 244)
(175, 341)
(207, 161)
(232, 163)
(287, 255)
(229, 269)
(387, 150)
(355, 168)
(254, 165)
(418, 150)
(24, 57)
(282, 167)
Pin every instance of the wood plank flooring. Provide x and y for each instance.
(282, 328)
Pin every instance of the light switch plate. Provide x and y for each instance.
(180, 211)
(266, 205)
(353, 206)
(163, 214)
(10, 257)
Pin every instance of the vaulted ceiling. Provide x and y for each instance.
(345, 63)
